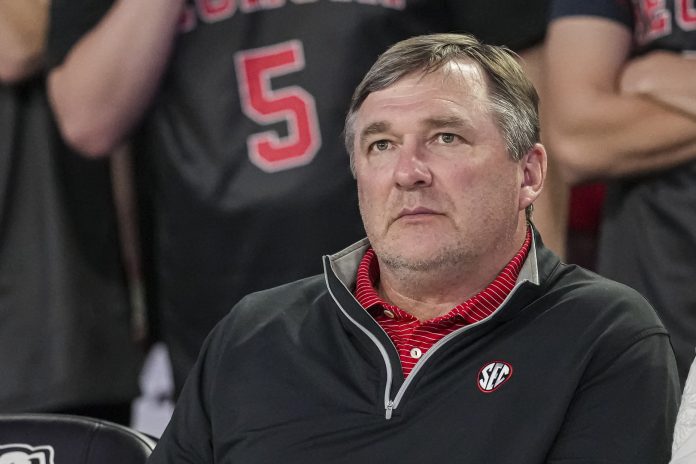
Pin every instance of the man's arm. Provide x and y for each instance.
(593, 130)
(666, 77)
(22, 32)
(109, 77)
(625, 409)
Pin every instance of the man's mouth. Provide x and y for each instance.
(416, 212)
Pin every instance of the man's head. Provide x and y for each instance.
(443, 134)
(512, 97)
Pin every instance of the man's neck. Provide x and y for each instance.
(431, 293)
(427, 295)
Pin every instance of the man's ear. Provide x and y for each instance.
(533, 173)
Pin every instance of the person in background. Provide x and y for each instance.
(235, 110)
(451, 333)
(66, 341)
(621, 93)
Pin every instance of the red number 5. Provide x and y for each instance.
(264, 105)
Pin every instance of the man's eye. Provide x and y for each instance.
(448, 138)
(380, 145)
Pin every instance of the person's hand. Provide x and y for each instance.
(663, 76)
(652, 74)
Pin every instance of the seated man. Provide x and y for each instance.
(450, 334)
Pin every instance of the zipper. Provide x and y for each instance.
(421, 362)
(389, 407)
(388, 403)
(391, 404)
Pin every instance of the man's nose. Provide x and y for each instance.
(412, 169)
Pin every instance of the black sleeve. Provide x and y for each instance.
(615, 10)
(188, 438)
(518, 24)
(625, 409)
(69, 21)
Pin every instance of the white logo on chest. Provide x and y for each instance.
(493, 375)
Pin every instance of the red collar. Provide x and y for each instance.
(472, 310)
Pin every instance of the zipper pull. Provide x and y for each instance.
(390, 408)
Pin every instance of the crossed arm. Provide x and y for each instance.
(606, 118)
(110, 76)
(666, 77)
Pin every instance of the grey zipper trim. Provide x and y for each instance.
(442, 342)
(388, 404)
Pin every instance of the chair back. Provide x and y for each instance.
(65, 439)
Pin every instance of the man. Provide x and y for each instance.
(451, 333)
(622, 108)
(241, 104)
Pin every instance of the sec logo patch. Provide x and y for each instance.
(493, 375)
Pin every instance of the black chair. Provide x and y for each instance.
(64, 439)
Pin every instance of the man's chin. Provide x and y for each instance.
(419, 258)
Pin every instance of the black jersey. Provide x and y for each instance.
(65, 320)
(655, 25)
(247, 173)
(648, 235)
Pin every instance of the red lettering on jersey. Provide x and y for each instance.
(686, 14)
(216, 10)
(657, 20)
(250, 5)
(265, 105)
(211, 11)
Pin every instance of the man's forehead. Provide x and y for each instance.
(435, 121)
(439, 99)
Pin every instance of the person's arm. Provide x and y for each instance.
(593, 130)
(551, 207)
(108, 79)
(666, 77)
(22, 32)
(624, 410)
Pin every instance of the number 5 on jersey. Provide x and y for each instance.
(265, 105)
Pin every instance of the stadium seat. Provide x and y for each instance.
(65, 439)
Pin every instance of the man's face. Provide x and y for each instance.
(436, 185)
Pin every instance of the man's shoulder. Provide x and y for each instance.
(607, 302)
(296, 291)
(596, 318)
(283, 301)
(286, 315)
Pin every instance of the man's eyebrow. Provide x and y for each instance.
(374, 128)
(447, 121)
